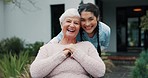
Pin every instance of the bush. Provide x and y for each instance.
(34, 48)
(141, 66)
(13, 65)
(16, 56)
(13, 45)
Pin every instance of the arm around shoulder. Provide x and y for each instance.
(57, 38)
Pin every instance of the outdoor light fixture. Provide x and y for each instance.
(137, 9)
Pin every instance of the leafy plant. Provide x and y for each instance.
(144, 22)
(16, 56)
(141, 66)
(33, 48)
(13, 65)
(7, 1)
(144, 26)
(25, 73)
(13, 45)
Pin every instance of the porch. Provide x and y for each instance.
(124, 63)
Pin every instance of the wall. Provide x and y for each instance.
(33, 24)
(2, 19)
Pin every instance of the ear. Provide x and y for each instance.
(98, 18)
(61, 25)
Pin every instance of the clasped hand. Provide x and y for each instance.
(68, 51)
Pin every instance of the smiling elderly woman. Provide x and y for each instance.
(68, 58)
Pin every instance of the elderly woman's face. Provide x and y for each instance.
(70, 27)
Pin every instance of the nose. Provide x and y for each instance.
(72, 24)
(87, 23)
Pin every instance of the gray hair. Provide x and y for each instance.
(69, 13)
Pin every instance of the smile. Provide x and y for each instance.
(70, 30)
(88, 28)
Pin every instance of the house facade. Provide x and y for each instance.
(35, 22)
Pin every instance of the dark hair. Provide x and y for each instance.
(89, 7)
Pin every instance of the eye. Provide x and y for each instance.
(77, 23)
(82, 19)
(91, 18)
(68, 21)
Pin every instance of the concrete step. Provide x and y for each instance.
(124, 58)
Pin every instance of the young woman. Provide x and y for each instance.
(92, 29)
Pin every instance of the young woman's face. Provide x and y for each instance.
(88, 22)
(70, 27)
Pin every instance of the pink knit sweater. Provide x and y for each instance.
(52, 63)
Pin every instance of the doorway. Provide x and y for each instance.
(130, 37)
(56, 12)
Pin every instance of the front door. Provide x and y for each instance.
(130, 37)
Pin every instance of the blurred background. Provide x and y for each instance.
(32, 23)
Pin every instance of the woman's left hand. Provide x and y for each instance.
(70, 49)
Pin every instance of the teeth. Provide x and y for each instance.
(71, 30)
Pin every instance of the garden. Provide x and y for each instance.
(16, 57)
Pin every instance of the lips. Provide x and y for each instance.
(88, 28)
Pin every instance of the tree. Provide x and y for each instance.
(144, 26)
(23, 4)
(144, 21)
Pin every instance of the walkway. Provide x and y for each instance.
(120, 72)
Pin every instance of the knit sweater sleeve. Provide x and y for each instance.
(90, 60)
(45, 63)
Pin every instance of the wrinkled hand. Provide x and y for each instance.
(68, 51)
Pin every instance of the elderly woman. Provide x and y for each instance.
(68, 58)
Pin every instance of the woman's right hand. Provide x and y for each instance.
(67, 52)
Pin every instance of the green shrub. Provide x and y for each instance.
(26, 72)
(34, 48)
(16, 56)
(13, 65)
(141, 66)
(13, 45)
(144, 21)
